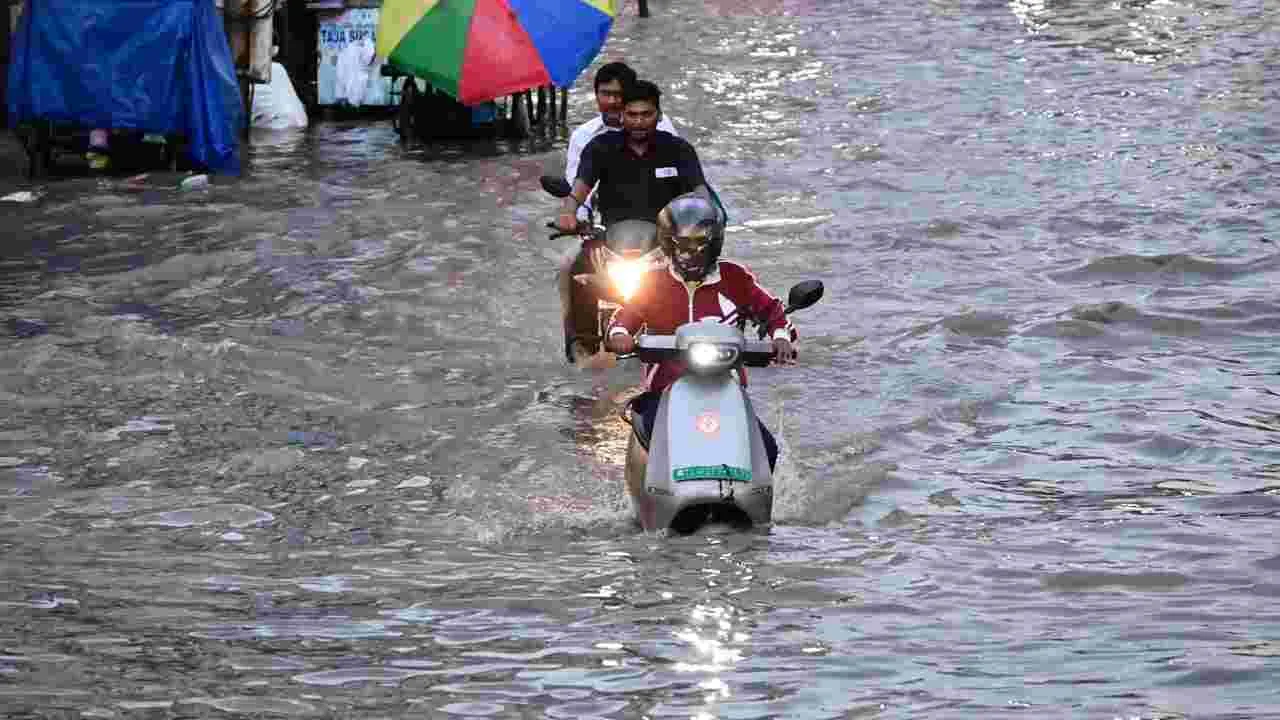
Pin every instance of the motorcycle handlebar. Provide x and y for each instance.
(578, 231)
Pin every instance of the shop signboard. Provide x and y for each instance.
(350, 73)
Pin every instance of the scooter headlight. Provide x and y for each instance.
(710, 357)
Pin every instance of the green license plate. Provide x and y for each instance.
(711, 472)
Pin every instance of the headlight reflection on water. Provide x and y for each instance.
(714, 643)
(713, 639)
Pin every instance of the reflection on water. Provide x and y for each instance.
(713, 648)
(302, 443)
(1140, 31)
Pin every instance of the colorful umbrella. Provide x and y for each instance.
(478, 50)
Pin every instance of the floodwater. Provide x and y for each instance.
(302, 444)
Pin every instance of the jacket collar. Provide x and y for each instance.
(711, 278)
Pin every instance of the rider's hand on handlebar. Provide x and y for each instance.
(567, 222)
(620, 344)
(783, 352)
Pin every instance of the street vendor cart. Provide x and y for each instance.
(155, 76)
(428, 113)
(478, 64)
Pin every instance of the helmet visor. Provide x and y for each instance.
(690, 251)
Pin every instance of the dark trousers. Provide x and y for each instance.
(645, 405)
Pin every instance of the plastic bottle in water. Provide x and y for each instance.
(195, 182)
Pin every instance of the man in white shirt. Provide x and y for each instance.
(609, 81)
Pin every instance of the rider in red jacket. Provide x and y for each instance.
(695, 285)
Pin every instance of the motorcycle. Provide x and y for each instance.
(607, 273)
(705, 462)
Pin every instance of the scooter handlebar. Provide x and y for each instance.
(558, 232)
(757, 353)
(656, 348)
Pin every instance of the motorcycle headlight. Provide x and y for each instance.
(625, 275)
(705, 356)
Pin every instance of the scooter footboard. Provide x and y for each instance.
(707, 454)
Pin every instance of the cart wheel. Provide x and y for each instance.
(404, 120)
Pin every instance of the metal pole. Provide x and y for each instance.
(644, 8)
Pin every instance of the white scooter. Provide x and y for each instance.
(705, 462)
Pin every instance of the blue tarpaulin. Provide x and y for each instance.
(158, 66)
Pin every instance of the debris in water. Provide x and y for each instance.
(195, 182)
(415, 482)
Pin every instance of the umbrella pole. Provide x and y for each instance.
(564, 106)
(644, 8)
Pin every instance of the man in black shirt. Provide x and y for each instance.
(640, 169)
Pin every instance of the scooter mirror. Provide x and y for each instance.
(555, 185)
(804, 294)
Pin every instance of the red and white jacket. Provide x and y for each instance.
(664, 302)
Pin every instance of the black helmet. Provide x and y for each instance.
(691, 230)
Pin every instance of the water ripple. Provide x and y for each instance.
(304, 444)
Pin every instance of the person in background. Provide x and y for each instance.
(610, 79)
(577, 302)
(634, 173)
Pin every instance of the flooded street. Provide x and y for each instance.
(303, 443)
